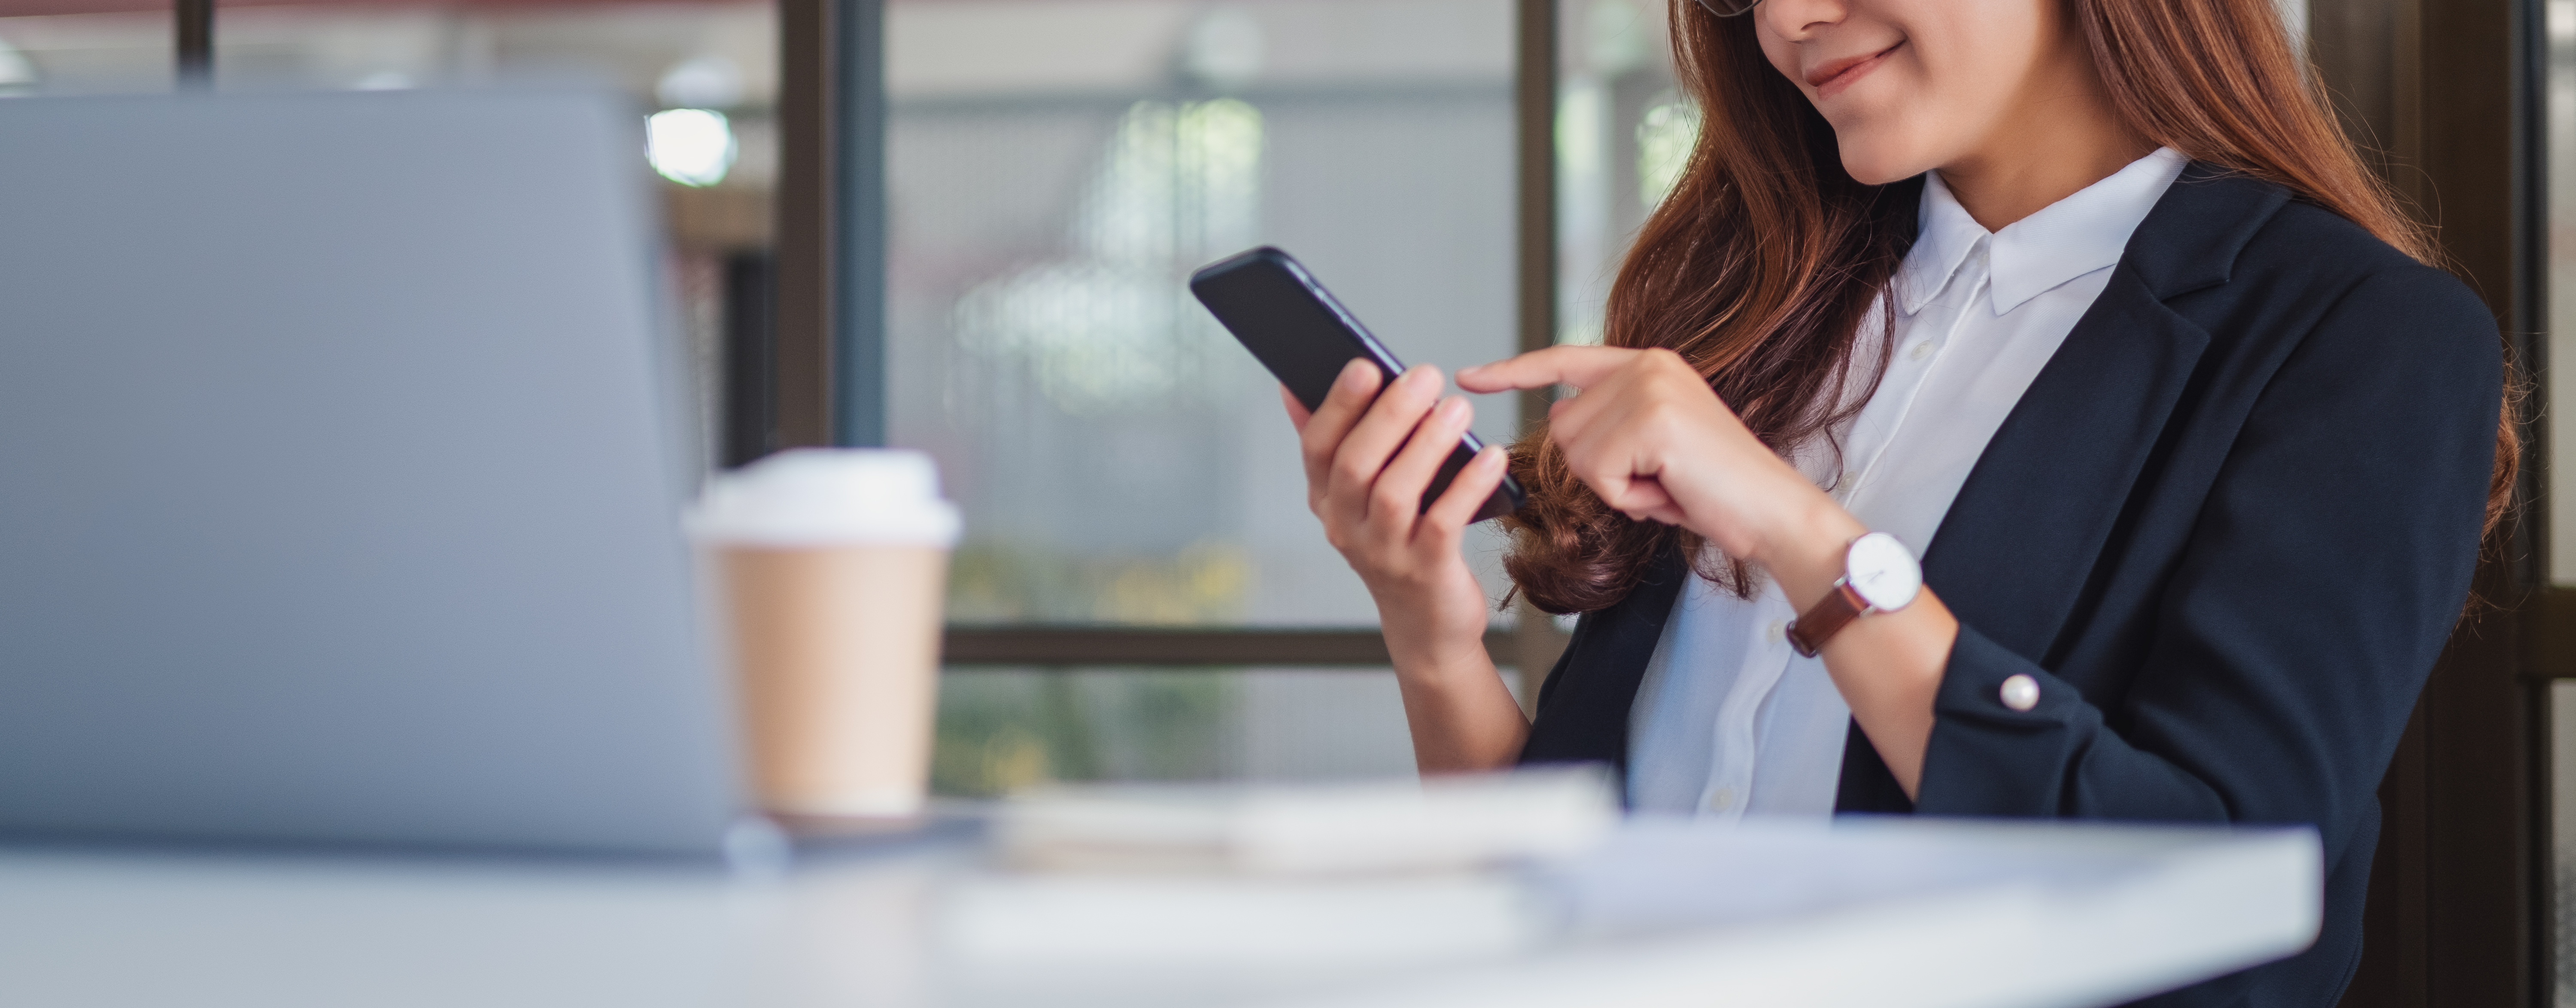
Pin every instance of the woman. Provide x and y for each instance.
(2085, 303)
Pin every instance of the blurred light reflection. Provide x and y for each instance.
(693, 147)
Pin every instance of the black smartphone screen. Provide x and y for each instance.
(1296, 329)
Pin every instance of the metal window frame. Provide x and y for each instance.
(1043, 646)
(192, 42)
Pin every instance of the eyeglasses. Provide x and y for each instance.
(1730, 8)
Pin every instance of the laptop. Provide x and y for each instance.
(343, 447)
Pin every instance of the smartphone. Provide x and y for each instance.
(1296, 329)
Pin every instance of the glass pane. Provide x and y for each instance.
(1623, 132)
(708, 71)
(1056, 170)
(1006, 729)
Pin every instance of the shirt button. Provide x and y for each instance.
(2021, 692)
(1777, 632)
(1922, 349)
(1721, 799)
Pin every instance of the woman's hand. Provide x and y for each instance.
(1368, 464)
(1648, 436)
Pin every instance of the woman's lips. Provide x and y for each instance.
(1835, 76)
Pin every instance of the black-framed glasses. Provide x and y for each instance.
(1730, 8)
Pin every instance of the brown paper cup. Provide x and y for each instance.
(830, 565)
(836, 653)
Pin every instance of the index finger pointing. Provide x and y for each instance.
(1579, 366)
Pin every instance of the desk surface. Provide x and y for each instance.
(1886, 914)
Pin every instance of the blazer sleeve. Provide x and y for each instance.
(2324, 574)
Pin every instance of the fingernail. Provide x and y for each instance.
(1420, 374)
(1492, 455)
(1353, 372)
(1453, 409)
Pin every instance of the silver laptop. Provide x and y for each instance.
(342, 454)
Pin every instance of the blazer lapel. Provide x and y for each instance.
(2020, 539)
(2013, 554)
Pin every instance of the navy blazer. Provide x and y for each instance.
(2228, 529)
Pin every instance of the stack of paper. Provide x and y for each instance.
(1378, 870)
(1377, 826)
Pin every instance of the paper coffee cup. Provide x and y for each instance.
(831, 564)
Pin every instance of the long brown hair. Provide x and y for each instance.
(1765, 258)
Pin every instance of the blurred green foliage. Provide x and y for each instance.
(1001, 731)
(1006, 582)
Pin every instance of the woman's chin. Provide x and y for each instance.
(1872, 163)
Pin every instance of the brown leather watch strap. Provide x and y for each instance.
(1809, 632)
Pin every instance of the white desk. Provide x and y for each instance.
(1885, 914)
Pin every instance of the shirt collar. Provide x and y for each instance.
(2074, 236)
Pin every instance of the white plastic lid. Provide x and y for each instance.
(828, 497)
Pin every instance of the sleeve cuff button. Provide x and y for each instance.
(2021, 692)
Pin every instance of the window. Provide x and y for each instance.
(1055, 170)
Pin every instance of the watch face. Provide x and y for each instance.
(1882, 572)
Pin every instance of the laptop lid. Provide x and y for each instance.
(341, 465)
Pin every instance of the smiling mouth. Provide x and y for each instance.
(1834, 76)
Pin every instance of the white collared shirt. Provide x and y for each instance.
(1729, 720)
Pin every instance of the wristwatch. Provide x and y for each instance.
(1879, 575)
